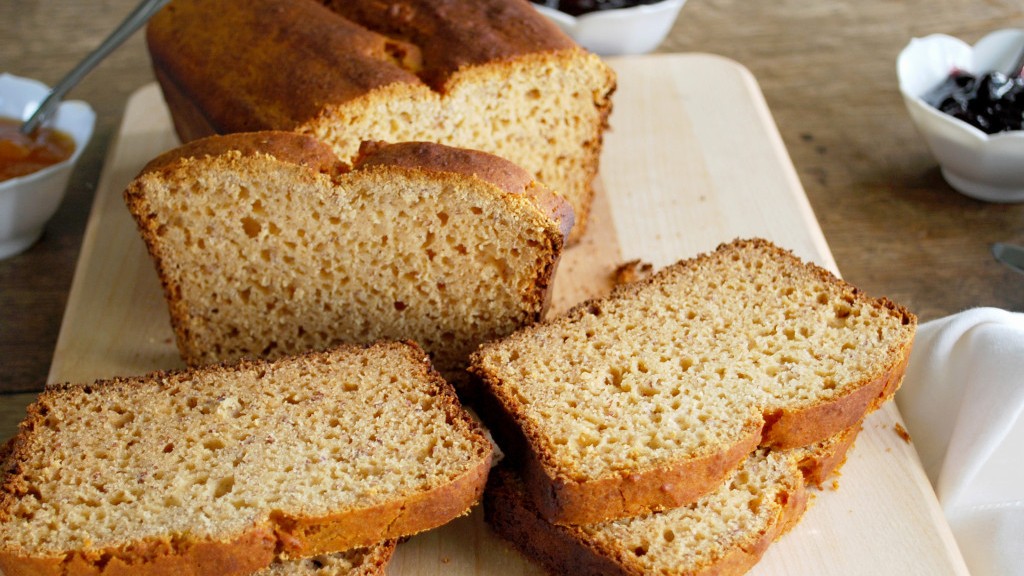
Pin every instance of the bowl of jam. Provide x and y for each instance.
(35, 168)
(613, 27)
(968, 104)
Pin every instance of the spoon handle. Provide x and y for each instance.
(139, 16)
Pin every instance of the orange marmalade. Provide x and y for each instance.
(22, 154)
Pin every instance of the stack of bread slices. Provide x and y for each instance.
(671, 427)
(373, 243)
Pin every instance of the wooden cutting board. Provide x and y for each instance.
(692, 159)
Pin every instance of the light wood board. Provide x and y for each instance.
(692, 159)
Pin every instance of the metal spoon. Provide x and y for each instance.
(142, 13)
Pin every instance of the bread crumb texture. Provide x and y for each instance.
(262, 257)
(677, 366)
(215, 454)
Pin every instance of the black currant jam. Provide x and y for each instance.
(992, 102)
(577, 7)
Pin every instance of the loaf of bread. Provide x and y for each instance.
(649, 398)
(267, 245)
(225, 469)
(491, 75)
(722, 534)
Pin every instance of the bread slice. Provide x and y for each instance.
(225, 469)
(724, 533)
(491, 75)
(367, 561)
(648, 398)
(267, 245)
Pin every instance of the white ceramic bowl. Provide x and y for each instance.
(620, 31)
(27, 202)
(982, 166)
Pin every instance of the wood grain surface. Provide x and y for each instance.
(713, 167)
(826, 67)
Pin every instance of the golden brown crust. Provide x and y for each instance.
(557, 548)
(631, 271)
(341, 61)
(787, 429)
(189, 121)
(824, 460)
(565, 501)
(565, 549)
(454, 34)
(292, 147)
(154, 557)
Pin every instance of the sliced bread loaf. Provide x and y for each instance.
(648, 398)
(225, 469)
(267, 245)
(722, 534)
(491, 75)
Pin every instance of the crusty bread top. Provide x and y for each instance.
(711, 355)
(284, 146)
(305, 150)
(308, 455)
(506, 175)
(341, 58)
(454, 34)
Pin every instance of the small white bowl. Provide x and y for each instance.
(620, 31)
(28, 202)
(984, 166)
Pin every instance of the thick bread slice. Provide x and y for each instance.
(491, 75)
(224, 469)
(266, 246)
(368, 561)
(722, 534)
(646, 399)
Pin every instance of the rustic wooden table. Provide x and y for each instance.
(827, 70)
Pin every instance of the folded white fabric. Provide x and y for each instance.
(963, 404)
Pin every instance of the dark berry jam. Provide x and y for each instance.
(577, 7)
(992, 103)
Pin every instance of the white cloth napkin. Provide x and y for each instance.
(963, 403)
